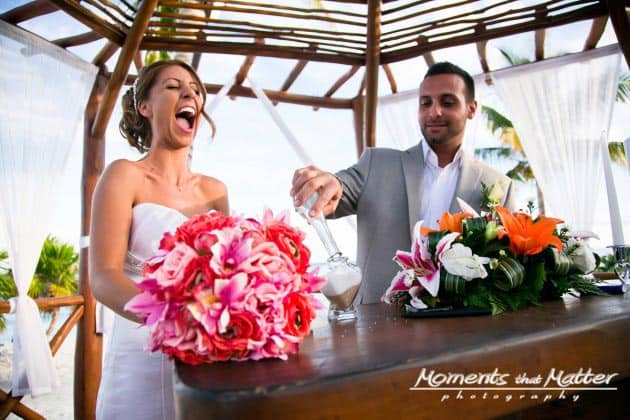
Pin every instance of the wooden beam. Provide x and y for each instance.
(597, 30)
(299, 66)
(73, 41)
(284, 97)
(89, 19)
(11, 404)
(238, 48)
(390, 77)
(540, 34)
(342, 80)
(372, 63)
(539, 40)
(28, 11)
(588, 12)
(247, 64)
(428, 56)
(105, 54)
(45, 304)
(620, 19)
(132, 42)
(88, 350)
(357, 113)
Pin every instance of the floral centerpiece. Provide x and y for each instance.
(497, 261)
(228, 288)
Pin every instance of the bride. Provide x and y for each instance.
(134, 204)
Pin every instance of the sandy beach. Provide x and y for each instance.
(58, 405)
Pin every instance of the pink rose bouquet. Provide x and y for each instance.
(228, 288)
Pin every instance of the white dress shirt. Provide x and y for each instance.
(438, 185)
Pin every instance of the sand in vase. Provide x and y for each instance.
(344, 299)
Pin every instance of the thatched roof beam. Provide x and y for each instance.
(261, 9)
(75, 40)
(481, 50)
(105, 54)
(274, 96)
(247, 64)
(188, 45)
(358, 113)
(246, 27)
(588, 12)
(428, 56)
(28, 11)
(620, 19)
(597, 30)
(540, 34)
(299, 66)
(372, 63)
(284, 97)
(342, 80)
(90, 20)
(390, 77)
(462, 23)
(132, 42)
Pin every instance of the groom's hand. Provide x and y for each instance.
(310, 179)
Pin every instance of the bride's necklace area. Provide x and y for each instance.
(179, 186)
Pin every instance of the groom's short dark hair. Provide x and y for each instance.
(445, 67)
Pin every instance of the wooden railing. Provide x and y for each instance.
(10, 403)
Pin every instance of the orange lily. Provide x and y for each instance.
(526, 236)
(449, 222)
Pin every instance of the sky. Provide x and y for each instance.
(252, 157)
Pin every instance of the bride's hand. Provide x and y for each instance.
(310, 179)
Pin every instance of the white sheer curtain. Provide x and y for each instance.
(43, 92)
(559, 107)
(397, 119)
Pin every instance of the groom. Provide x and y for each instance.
(390, 190)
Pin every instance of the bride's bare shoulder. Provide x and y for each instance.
(123, 168)
(215, 193)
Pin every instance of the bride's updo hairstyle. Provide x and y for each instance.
(137, 128)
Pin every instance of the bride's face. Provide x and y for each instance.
(173, 108)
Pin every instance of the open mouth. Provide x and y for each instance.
(185, 117)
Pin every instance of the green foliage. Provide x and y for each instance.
(56, 273)
(623, 88)
(606, 263)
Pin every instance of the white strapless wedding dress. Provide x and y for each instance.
(136, 383)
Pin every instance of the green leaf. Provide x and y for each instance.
(509, 274)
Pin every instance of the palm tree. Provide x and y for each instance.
(511, 144)
(55, 276)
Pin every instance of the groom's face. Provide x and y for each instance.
(443, 110)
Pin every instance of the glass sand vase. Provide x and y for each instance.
(343, 278)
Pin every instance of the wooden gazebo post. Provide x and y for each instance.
(372, 62)
(620, 19)
(88, 355)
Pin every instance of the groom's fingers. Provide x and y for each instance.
(300, 177)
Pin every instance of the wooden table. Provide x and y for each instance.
(365, 368)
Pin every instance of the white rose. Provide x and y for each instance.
(581, 255)
(497, 192)
(459, 260)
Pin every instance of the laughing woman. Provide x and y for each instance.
(134, 204)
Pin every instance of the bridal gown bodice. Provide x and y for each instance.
(136, 383)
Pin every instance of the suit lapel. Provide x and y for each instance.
(469, 180)
(413, 166)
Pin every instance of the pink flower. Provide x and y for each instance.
(228, 288)
(419, 266)
(175, 265)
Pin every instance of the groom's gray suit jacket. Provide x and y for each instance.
(384, 190)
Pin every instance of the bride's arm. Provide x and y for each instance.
(109, 236)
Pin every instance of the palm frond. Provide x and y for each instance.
(617, 153)
(496, 120)
(623, 88)
(513, 58)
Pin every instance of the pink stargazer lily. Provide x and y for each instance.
(420, 270)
